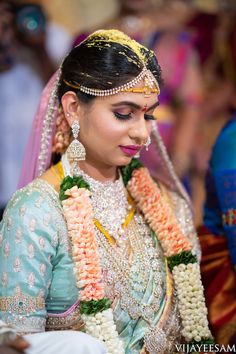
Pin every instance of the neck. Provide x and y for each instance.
(101, 173)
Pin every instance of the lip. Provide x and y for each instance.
(130, 150)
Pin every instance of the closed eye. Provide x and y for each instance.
(123, 116)
(129, 116)
(149, 117)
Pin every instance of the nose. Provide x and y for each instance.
(139, 131)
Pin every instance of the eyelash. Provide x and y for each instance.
(149, 117)
(128, 116)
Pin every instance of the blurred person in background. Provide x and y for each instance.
(218, 235)
(159, 26)
(57, 39)
(214, 33)
(27, 60)
(215, 39)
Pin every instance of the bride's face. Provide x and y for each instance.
(113, 129)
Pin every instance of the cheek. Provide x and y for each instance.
(149, 126)
(108, 129)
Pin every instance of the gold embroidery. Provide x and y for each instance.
(71, 321)
(21, 303)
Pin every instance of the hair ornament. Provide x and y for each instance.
(150, 86)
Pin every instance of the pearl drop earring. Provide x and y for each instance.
(148, 142)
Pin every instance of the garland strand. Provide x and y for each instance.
(178, 250)
(95, 308)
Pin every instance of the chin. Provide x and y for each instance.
(125, 160)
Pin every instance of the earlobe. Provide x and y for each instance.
(70, 105)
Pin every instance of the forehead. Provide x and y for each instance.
(139, 99)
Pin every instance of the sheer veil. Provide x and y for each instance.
(37, 157)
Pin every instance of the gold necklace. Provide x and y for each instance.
(58, 167)
(125, 224)
(128, 281)
(124, 274)
(59, 172)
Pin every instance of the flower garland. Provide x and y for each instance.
(94, 307)
(178, 250)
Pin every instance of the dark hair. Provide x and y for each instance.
(103, 65)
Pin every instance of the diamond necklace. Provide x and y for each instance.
(109, 201)
(110, 207)
(129, 280)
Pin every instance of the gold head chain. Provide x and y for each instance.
(150, 86)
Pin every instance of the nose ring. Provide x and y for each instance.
(148, 142)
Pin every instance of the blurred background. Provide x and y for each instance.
(195, 42)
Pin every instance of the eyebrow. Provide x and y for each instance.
(134, 105)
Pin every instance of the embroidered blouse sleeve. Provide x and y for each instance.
(26, 260)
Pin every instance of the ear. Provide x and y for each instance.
(71, 106)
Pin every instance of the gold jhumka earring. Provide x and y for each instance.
(76, 151)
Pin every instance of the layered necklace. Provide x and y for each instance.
(128, 256)
(110, 204)
(128, 273)
(106, 267)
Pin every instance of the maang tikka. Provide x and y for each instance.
(76, 151)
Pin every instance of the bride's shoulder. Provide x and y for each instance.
(33, 211)
(36, 196)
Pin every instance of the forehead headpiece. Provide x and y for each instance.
(105, 38)
(150, 86)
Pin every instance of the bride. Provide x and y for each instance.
(93, 244)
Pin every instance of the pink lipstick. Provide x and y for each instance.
(130, 150)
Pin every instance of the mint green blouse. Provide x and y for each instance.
(37, 284)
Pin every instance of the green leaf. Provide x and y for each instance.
(127, 171)
(184, 257)
(69, 182)
(94, 306)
